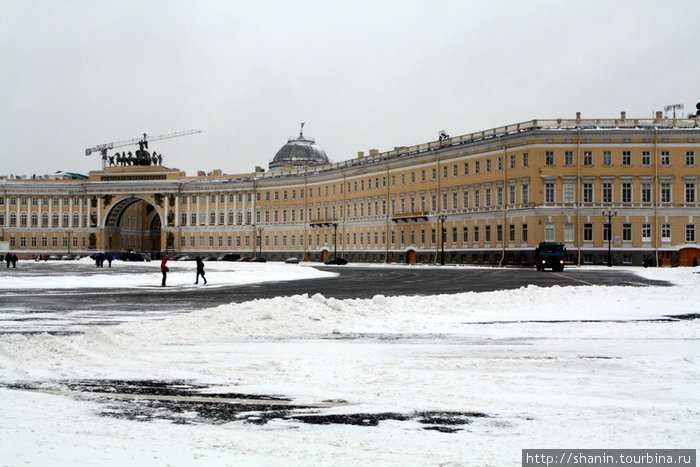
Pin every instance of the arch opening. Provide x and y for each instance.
(133, 224)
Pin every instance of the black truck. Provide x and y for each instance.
(550, 255)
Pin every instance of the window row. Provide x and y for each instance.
(33, 220)
(607, 158)
(625, 193)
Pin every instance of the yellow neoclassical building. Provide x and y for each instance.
(482, 198)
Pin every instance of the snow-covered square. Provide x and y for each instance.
(463, 379)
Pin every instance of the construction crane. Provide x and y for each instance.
(143, 142)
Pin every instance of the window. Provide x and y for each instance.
(499, 196)
(487, 196)
(690, 192)
(500, 163)
(665, 158)
(499, 233)
(477, 197)
(665, 232)
(646, 158)
(607, 158)
(569, 158)
(646, 232)
(549, 192)
(607, 192)
(665, 192)
(690, 158)
(549, 158)
(526, 160)
(588, 158)
(444, 172)
(627, 232)
(487, 233)
(511, 194)
(466, 168)
(523, 233)
(455, 170)
(569, 194)
(511, 233)
(690, 233)
(476, 167)
(646, 192)
(465, 198)
(587, 232)
(511, 161)
(568, 232)
(488, 166)
(549, 233)
(476, 234)
(626, 158)
(626, 192)
(526, 193)
(587, 192)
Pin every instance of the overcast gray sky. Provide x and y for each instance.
(361, 74)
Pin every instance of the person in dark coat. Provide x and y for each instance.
(164, 270)
(8, 259)
(200, 271)
(14, 260)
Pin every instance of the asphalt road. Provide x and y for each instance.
(352, 282)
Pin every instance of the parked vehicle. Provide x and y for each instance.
(550, 255)
(245, 259)
(258, 259)
(338, 261)
(230, 257)
(292, 260)
(134, 256)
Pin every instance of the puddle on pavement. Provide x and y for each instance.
(185, 402)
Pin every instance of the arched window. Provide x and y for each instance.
(76, 219)
(45, 219)
(13, 219)
(23, 219)
(54, 220)
(66, 218)
(35, 219)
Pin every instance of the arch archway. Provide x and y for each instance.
(411, 256)
(133, 223)
(689, 256)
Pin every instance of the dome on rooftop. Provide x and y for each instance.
(299, 152)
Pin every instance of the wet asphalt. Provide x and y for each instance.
(351, 282)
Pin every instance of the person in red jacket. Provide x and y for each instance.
(164, 270)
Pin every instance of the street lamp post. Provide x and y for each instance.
(609, 214)
(442, 218)
(335, 239)
(260, 230)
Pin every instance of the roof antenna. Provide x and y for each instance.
(301, 131)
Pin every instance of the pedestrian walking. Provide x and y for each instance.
(164, 270)
(200, 271)
(8, 259)
(14, 260)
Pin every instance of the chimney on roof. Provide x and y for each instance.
(360, 154)
(578, 115)
(623, 115)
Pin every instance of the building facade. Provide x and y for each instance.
(628, 186)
